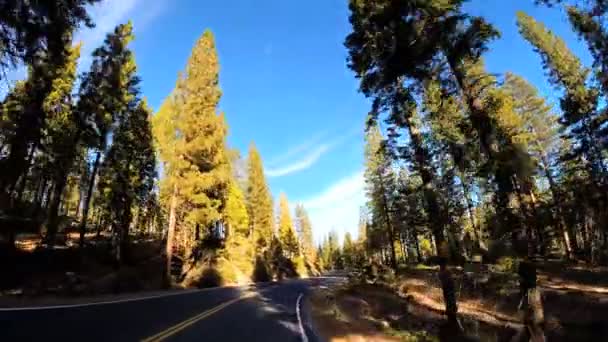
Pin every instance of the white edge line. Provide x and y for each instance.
(302, 332)
(126, 300)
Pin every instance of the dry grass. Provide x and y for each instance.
(345, 318)
(575, 304)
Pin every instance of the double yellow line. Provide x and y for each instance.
(184, 324)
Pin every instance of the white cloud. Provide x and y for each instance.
(308, 152)
(337, 207)
(301, 164)
(296, 150)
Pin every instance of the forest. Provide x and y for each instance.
(93, 181)
(464, 169)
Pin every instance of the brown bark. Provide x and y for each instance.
(421, 160)
(170, 236)
(53, 221)
(87, 201)
(391, 231)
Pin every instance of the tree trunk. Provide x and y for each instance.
(559, 215)
(417, 245)
(40, 192)
(402, 241)
(476, 229)
(170, 236)
(87, 201)
(53, 221)
(23, 182)
(123, 243)
(389, 225)
(539, 231)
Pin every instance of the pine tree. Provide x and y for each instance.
(236, 216)
(394, 48)
(348, 250)
(165, 137)
(588, 25)
(63, 129)
(259, 201)
(581, 118)
(128, 173)
(378, 180)
(104, 97)
(239, 249)
(579, 103)
(304, 231)
(29, 30)
(362, 228)
(287, 233)
(542, 126)
(204, 167)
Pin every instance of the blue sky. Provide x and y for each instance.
(286, 85)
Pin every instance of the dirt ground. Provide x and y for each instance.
(411, 307)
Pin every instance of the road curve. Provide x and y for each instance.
(270, 312)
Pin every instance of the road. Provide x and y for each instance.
(269, 312)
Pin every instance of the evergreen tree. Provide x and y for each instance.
(165, 137)
(259, 201)
(348, 250)
(378, 180)
(287, 233)
(236, 216)
(204, 169)
(304, 231)
(583, 121)
(542, 127)
(129, 171)
(63, 129)
(579, 103)
(104, 97)
(28, 30)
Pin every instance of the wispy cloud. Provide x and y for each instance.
(337, 207)
(306, 154)
(297, 149)
(301, 164)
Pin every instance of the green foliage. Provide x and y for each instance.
(425, 247)
(235, 212)
(287, 233)
(304, 230)
(128, 173)
(32, 29)
(203, 166)
(259, 200)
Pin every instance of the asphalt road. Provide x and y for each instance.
(269, 312)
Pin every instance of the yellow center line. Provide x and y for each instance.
(184, 324)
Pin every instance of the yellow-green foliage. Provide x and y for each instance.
(287, 233)
(259, 200)
(507, 264)
(425, 247)
(240, 253)
(300, 266)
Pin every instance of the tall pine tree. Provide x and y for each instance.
(259, 201)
